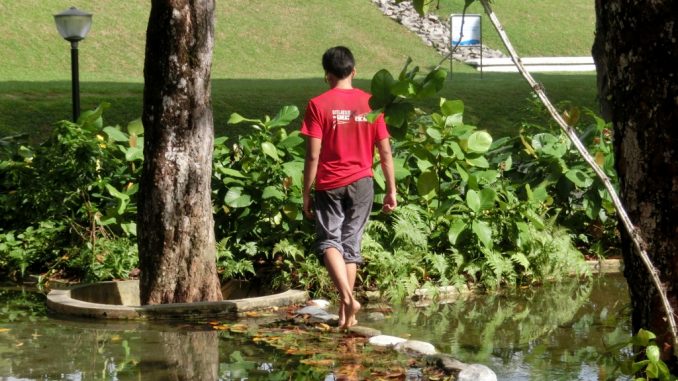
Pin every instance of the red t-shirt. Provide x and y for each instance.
(337, 118)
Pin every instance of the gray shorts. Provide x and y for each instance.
(341, 215)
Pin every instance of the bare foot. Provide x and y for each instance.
(350, 310)
(342, 315)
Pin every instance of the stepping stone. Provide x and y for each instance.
(385, 340)
(476, 372)
(416, 347)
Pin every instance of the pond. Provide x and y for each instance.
(553, 332)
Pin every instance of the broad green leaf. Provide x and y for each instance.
(235, 198)
(579, 178)
(434, 133)
(237, 118)
(396, 114)
(480, 162)
(424, 165)
(458, 152)
(403, 89)
(381, 89)
(292, 211)
(91, 120)
(484, 232)
(507, 164)
(473, 200)
(434, 82)
(286, 115)
(401, 172)
(454, 120)
(134, 153)
(291, 141)
(294, 170)
(378, 178)
(270, 150)
(272, 192)
(116, 135)
(135, 127)
(536, 220)
(462, 173)
(115, 193)
(479, 142)
(25, 152)
(652, 370)
(373, 115)
(540, 194)
(231, 172)
(488, 177)
(427, 183)
(652, 353)
(403, 72)
(451, 107)
(129, 228)
(643, 337)
(456, 228)
(487, 197)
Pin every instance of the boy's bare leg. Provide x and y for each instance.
(339, 272)
(351, 270)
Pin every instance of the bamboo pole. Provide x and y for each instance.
(632, 231)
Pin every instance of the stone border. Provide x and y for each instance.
(112, 300)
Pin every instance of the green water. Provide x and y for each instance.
(554, 332)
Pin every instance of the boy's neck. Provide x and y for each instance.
(343, 84)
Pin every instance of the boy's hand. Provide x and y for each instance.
(390, 203)
(308, 206)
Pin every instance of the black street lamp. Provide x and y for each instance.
(73, 25)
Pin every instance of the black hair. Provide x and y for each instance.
(338, 61)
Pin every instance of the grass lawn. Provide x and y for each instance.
(266, 55)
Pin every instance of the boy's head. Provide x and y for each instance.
(339, 62)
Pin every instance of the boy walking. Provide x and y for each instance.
(339, 156)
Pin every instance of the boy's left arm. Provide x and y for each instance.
(310, 170)
(386, 157)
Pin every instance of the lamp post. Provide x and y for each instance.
(73, 25)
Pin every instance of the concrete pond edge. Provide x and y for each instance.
(120, 300)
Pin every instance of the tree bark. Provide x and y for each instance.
(175, 221)
(636, 55)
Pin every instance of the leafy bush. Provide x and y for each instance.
(472, 209)
(65, 203)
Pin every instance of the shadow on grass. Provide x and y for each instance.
(498, 103)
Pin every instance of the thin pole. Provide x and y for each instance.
(75, 80)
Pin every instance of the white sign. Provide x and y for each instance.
(468, 34)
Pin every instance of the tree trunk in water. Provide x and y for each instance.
(183, 356)
(636, 55)
(176, 226)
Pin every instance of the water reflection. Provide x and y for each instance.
(555, 332)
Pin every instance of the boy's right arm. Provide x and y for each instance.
(386, 157)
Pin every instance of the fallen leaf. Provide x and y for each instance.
(4, 330)
(239, 328)
(318, 362)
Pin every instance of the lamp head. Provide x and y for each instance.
(73, 24)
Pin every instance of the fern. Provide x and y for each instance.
(409, 229)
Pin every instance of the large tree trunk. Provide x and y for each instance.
(636, 54)
(175, 222)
